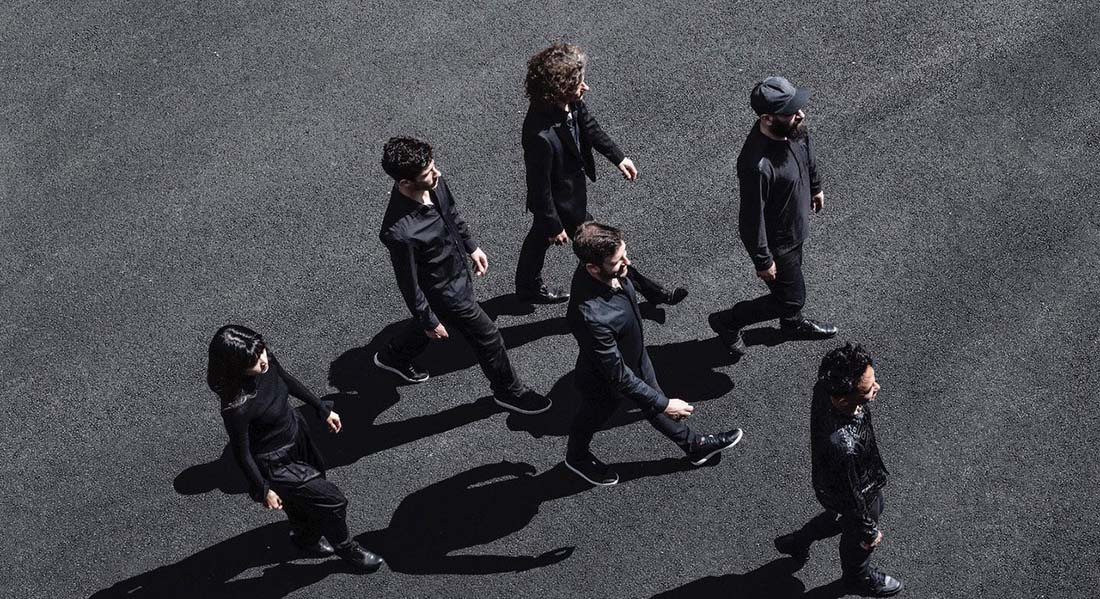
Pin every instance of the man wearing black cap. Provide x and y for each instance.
(779, 186)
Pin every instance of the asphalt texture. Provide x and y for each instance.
(167, 168)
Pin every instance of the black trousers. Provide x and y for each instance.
(469, 320)
(532, 257)
(313, 504)
(785, 300)
(855, 561)
(594, 412)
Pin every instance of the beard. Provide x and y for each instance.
(792, 130)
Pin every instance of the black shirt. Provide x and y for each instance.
(847, 467)
(263, 421)
(777, 179)
(608, 328)
(428, 246)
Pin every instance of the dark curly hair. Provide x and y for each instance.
(405, 157)
(842, 368)
(595, 242)
(554, 74)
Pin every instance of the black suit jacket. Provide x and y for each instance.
(613, 360)
(556, 190)
(429, 268)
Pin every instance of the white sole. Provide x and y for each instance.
(581, 474)
(703, 460)
(397, 372)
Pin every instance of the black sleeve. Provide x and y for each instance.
(600, 340)
(404, 269)
(754, 187)
(236, 424)
(297, 389)
(815, 176)
(463, 229)
(600, 141)
(538, 158)
(859, 511)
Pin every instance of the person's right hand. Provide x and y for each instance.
(439, 332)
(272, 501)
(560, 238)
(768, 274)
(678, 409)
(872, 544)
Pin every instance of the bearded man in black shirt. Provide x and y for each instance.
(429, 244)
(779, 186)
(848, 473)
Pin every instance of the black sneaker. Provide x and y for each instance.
(409, 372)
(359, 558)
(789, 545)
(528, 402)
(730, 338)
(875, 584)
(543, 295)
(591, 469)
(708, 445)
(807, 329)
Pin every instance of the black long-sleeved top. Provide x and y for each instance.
(556, 167)
(428, 246)
(847, 467)
(608, 327)
(264, 422)
(777, 180)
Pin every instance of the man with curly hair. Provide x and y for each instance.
(559, 134)
(848, 473)
(430, 246)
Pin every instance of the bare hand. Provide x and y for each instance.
(481, 262)
(768, 274)
(678, 409)
(334, 423)
(872, 544)
(560, 238)
(272, 501)
(627, 168)
(818, 201)
(439, 332)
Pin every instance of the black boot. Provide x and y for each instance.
(362, 560)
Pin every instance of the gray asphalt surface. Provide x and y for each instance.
(166, 168)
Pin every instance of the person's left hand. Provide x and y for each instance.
(818, 201)
(333, 421)
(481, 262)
(627, 168)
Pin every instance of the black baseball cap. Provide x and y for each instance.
(776, 95)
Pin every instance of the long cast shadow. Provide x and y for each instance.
(773, 580)
(213, 572)
(481, 505)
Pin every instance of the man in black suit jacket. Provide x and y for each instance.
(613, 362)
(559, 134)
(429, 242)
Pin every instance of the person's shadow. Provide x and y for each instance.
(773, 580)
(214, 571)
(479, 506)
(686, 369)
(768, 336)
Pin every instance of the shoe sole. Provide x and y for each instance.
(597, 483)
(379, 364)
(703, 460)
(539, 300)
(512, 408)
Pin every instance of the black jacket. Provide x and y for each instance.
(556, 190)
(777, 179)
(430, 262)
(613, 360)
(847, 467)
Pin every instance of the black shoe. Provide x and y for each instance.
(875, 584)
(319, 548)
(673, 297)
(359, 558)
(808, 329)
(528, 402)
(708, 445)
(543, 295)
(731, 338)
(409, 372)
(789, 545)
(591, 469)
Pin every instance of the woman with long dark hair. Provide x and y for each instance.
(272, 444)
